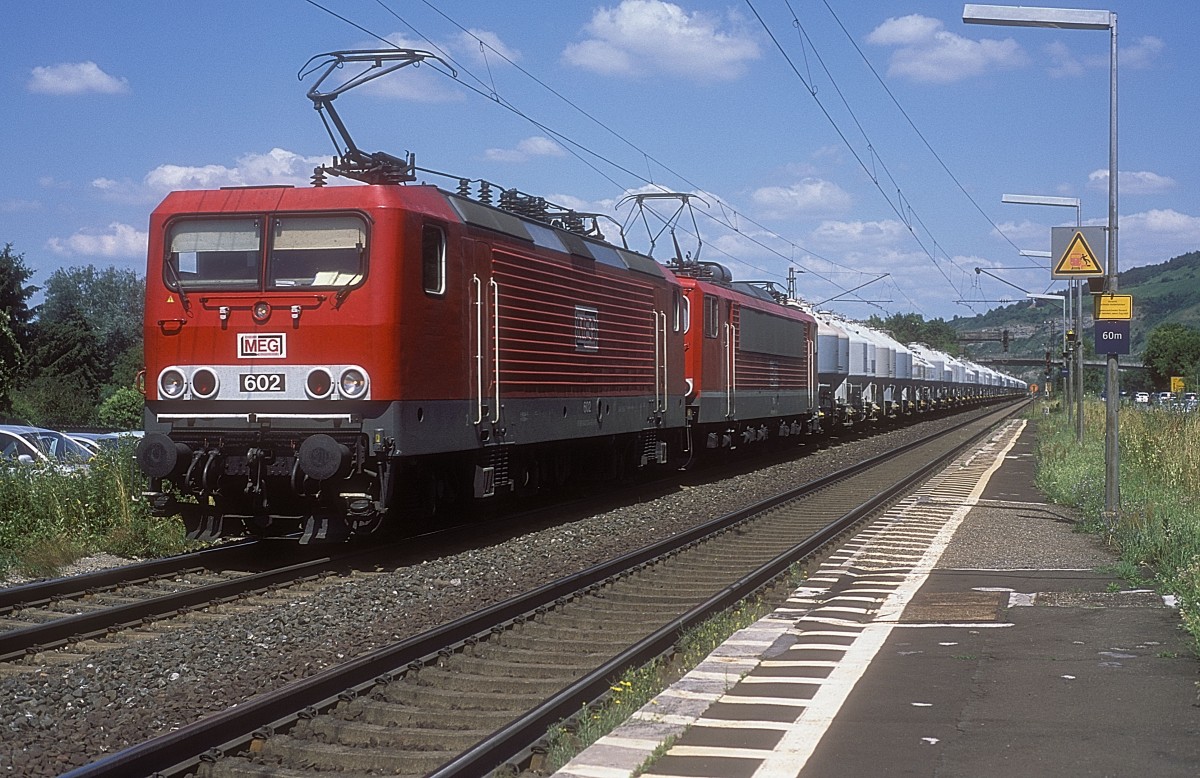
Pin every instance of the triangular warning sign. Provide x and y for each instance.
(1078, 260)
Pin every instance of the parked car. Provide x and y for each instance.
(104, 441)
(1142, 398)
(35, 445)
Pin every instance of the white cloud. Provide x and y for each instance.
(1026, 234)
(1154, 236)
(642, 36)
(927, 52)
(536, 146)
(1141, 54)
(277, 166)
(20, 206)
(120, 240)
(910, 30)
(1164, 222)
(75, 78)
(810, 195)
(1063, 63)
(859, 234)
(1132, 182)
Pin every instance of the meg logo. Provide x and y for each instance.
(587, 329)
(262, 345)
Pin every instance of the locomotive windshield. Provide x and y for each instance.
(311, 252)
(215, 254)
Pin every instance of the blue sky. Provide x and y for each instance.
(897, 165)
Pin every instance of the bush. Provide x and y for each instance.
(49, 517)
(122, 410)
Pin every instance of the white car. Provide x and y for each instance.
(104, 441)
(1142, 398)
(34, 445)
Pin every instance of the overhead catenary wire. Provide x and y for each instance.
(488, 90)
(896, 207)
(916, 129)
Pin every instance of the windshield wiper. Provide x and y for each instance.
(183, 298)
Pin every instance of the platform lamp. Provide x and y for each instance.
(1074, 392)
(1082, 19)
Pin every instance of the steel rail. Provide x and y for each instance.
(35, 593)
(508, 744)
(21, 642)
(181, 750)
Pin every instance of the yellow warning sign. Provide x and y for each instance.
(1078, 261)
(1113, 306)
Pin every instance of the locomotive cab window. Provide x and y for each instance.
(433, 259)
(712, 316)
(213, 254)
(327, 252)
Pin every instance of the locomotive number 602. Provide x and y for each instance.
(262, 382)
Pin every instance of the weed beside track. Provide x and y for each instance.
(1157, 530)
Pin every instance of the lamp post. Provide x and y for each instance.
(1074, 383)
(1082, 19)
(1061, 299)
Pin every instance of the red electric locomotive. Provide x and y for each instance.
(317, 358)
(324, 360)
(750, 361)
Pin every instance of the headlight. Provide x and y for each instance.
(353, 383)
(204, 383)
(172, 383)
(319, 384)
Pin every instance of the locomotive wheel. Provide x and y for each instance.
(526, 477)
(414, 500)
(556, 469)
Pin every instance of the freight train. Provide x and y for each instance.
(336, 360)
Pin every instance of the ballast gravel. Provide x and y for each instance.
(59, 716)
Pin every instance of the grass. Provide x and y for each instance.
(50, 517)
(1157, 529)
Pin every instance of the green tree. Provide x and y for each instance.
(913, 328)
(57, 403)
(15, 292)
(63, 380)
(122, 410)
(1172, 349)
(125, 369)
(12, 360)
(111, 300)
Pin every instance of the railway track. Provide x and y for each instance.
(69, 615)
(479, 691)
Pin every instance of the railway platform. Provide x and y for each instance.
(970, 632)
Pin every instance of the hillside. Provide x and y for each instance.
(1167, 292)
